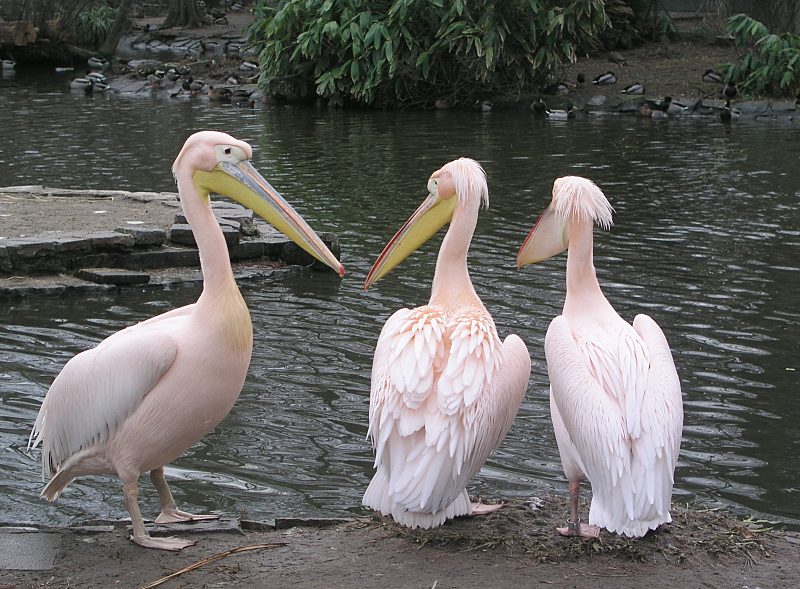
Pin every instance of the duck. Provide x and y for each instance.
(96, 77)
(730, 90)
(634, 89)
(234, 79)
(192, 85)
(97, 62)
(561, 114)
(248, 66)
(728, 112)
(84, 84)
(538, 106)
(605, 79)
(7, 64)
(557, 89)
(219, 93)
(712, 77)
(484, 105)
(671, 107)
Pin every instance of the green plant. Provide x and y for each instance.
(92, 25)
(410, 53)
(770, 64)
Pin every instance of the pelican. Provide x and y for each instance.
(445, 390)
(145, 394)
(615, 397)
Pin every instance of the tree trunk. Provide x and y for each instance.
(183, 13)
(117, 29)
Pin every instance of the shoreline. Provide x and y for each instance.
(517, 546)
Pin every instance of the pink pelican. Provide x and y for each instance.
(615, 397)
(445, 390)
(145, 394)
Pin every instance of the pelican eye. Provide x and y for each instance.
(227, 151)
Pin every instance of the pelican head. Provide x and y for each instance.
(219, 163)
(575, 199)
(461, 182)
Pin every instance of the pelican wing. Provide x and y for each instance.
(98, 389)
(590, 415)
(662, 417)
(444, 393)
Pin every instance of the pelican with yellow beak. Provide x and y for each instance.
(445, 389)
(145, 394)
(615, 396)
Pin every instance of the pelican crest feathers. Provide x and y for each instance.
(469, 178)
(581, 198)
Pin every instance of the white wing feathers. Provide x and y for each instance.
(619, 397)
(435, 411)
(98, 389)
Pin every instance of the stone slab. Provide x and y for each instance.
(143, 235)
(182, 234)
(28, 551)
(115, 276)
(110, 240)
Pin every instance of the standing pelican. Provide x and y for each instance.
(145, 394)
(615, 397)
(445, 390)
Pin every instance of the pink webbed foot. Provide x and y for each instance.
(172, 516)
(484, 509)
(167, 543)
(579, 530)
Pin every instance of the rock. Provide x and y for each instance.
(115, 276)
(597, 100)
(752, 107)
(110, 241)
(5, 260)
(182, 234)
(144, 236)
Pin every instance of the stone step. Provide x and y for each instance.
(116, 276)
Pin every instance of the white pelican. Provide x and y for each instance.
(145, 394)
(615, 397)
(445, 390)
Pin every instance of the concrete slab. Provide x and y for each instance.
(27, 551)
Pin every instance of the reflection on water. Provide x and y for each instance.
(706, 240)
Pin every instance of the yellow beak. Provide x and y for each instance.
(547, 239)
(244, 184)
(433, 214)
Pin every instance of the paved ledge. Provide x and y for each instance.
(54, 241)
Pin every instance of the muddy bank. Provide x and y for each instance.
(516, 547)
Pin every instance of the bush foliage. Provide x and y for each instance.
(770, 64)
(410, 53)
(92, 25)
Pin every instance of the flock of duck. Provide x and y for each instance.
(445, 388)
(655, 109)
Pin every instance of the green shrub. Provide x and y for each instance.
(92, 25)
(410, 53)
(770, 64)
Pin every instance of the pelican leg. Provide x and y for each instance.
(170, 513)
(574, 525)
(140, 536)
(484, 509)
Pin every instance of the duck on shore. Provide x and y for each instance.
(712, 77)
(97, 62)
(605, 79)
(562, 114)
(7, 64)
(635, 89)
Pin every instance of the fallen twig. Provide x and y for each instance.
(212, 558)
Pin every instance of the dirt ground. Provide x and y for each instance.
(516, 547)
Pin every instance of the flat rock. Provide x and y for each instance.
(28, 551)
(115, 276)
(182, 234)
(221, 525)
(143, 235)
(110, 240)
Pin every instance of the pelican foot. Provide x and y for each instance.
(167, 543)
(579, 529)
(172, 516)
(484, 509)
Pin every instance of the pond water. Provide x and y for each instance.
(706, 240)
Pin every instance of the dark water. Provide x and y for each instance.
(706, 241)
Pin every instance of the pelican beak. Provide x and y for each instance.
(244, 184)
(547, 239)
(433, 214)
